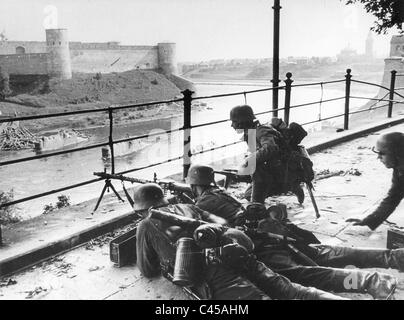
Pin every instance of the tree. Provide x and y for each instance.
(4, 84)
(389, 13)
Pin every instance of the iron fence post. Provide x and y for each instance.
(391, 96)
(187, 132)
(348, 77)
(288, 90)
(110, 139)
(275, 58)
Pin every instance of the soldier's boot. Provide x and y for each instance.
(395, 259)
(298, 191)
(380, 286)
(280, 287)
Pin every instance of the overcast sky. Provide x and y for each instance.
(202, 29)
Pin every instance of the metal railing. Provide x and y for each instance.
(187, 100)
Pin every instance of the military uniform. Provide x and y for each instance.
(155, 246)
(275, 171)
(329, 275)
(389, 203)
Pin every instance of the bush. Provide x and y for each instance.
(8, 214)
(4, 83)
(63, 201)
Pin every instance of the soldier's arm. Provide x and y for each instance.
(388, 204)
(147, 258)
(269, 149)
(209, 217)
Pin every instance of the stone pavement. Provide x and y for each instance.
(360, 181)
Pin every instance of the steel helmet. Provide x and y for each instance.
(243, 113)
(148, 195)
(201, 175)
(393, 142)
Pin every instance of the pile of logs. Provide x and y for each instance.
(13, 136)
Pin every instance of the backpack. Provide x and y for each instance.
(299, 167)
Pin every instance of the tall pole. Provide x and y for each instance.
(275, 57)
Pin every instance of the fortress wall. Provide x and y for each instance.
(31, 63)
(182, 83)
(9, 47)
(393, 64)
(100, 60)
(74, 45)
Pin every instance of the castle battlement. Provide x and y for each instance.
(62, 57)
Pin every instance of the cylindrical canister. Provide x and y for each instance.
(188, 262)
(278, 212)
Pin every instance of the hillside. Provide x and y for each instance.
(90, 91)
(133, 86)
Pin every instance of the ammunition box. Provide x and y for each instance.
(395, 239)
(122, 249)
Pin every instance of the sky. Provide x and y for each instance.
(202, 29)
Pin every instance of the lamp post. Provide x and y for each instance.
(275, 57)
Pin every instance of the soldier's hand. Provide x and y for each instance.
(357, 221)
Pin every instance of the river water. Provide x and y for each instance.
(33, 177)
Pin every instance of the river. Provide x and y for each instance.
(32, 177)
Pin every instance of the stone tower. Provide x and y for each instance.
(57, 46)
(369, 46)
(394, 62)
(167, 59)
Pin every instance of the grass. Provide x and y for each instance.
(8, 214)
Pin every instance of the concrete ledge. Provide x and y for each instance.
(44, 252)
(31, 257)
(350, 135)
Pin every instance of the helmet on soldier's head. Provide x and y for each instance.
(243, 113)
(278, 123)
(201, 175)
(148, 195)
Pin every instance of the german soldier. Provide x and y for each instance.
(270, 154)
(328, 274)
(390, 151)
(240, 276)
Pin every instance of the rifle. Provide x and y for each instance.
(303, 152)
(293, 245)
(176, 219)
(181, 190)
(232, 176)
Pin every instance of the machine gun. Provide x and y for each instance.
(232, 176)
(180, 190)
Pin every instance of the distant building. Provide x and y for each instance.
(348, 55)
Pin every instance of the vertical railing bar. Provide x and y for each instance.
(391, 96)
(187, 132)
(111, 141)
(288, 90)
(275, 57)
(347, 94)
